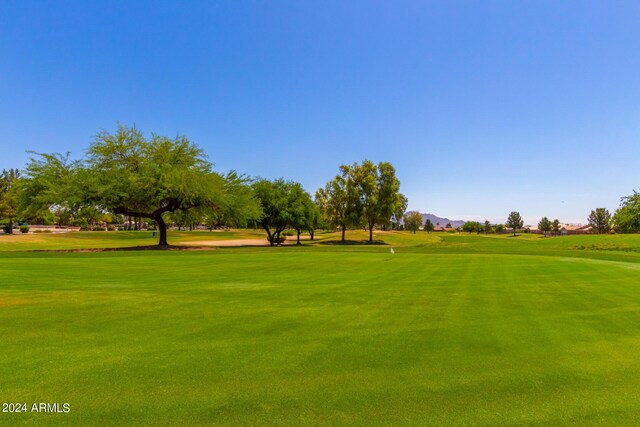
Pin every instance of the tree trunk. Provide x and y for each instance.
(269, 236)
(298, 242)
(311, 233)
(10, 226)
(370, 232)
(343, 230)
(162, 230)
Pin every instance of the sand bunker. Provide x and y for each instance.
(291, 240)
(234, 242)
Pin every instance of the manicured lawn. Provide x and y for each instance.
(112, 239)
(451, 330)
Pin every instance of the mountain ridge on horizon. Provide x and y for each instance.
(436, 219)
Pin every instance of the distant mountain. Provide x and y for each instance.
(436, 219)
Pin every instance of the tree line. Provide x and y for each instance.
(128, 176)
(625, 220)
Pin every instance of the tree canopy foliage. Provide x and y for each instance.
(545, 225)
(600, 220)
(362, 195)
(126, 173)
(339, 201)
(8, 196)
(284, 204)
(627, 217)
(51, 188)
(472, 226)
(129, 174)
(413, 221)
(428, 226)
(514, 221)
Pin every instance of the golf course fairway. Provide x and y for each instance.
(449, 330)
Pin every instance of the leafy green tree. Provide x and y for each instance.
(129, 174)
(627, 217)
(378, 191)
(555, 227)
(448, 225)
(515, 221)
(389, 199)
(302, 209)
(478, 227)
(428, 226)
(413, 221)
(281, 207)
(600, 220)
(365, 177)
(487, 227)
(545, 225)
(186, 219)
(88, 216)
(315, 220)
(499, 228)
(470, 226)
(362, 194)
(401, 207)
(126, 174)
(51, 190)
(8, 196)
(339, 201)
(237, 207)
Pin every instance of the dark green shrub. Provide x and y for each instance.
(24, 229)
(277, 241)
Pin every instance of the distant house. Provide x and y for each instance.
(575, 229)
(565, 229)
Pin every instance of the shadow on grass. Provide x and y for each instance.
(132, 248)
(351, 242)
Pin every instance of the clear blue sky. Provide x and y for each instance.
(483, 106)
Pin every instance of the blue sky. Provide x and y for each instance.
(483, 107)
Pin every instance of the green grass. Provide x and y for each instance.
(112, 239)
(451, 330)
